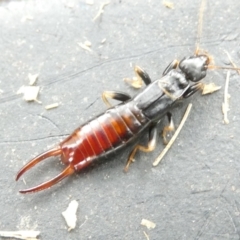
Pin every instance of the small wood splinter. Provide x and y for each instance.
(225, 104)
(101, 10)
(20, 234)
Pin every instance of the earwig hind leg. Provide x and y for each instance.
(192, 89)
(120, 96)
(141, 75)
(172, 65)
(150, 147)
(168, 128)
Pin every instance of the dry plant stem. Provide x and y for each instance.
(165, 150)
(100, 11)
(200, 21)
(50, 106)
(20, 234)
(225, 105)
(146, 235)
(231, 61)
(85, 47)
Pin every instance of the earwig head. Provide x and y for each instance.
(195, 67)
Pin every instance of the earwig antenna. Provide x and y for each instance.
(200, 21)
(231, 61)
(219, 67)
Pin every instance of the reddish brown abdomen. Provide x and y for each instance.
(101, 135)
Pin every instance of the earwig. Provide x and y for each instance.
(119, 125)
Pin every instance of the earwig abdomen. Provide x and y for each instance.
(102, 135)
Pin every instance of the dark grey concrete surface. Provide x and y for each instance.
(193, 194)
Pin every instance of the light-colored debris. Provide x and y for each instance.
(26, 18)
(87, 43)
(148, 224)
(20, 234)
(24, 181)
(103, 41)
(85, 47)
(168, 146)
(225, 104)
(210, 88)
(51, 106)
(89, 2)
(30, 93)
(32, 78)
(70, 214)
(69, 5)
(168, 4)
(101, 10)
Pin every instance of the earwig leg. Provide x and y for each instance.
(172, 65)
(114, 95)
(168, 128)
(66, 172)
(141, 75)
(192, 89)
(150, 147)
(52, 152)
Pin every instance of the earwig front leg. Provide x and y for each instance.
(150, 147)
(172, 65)
(141, 75)
(168, 128)
(120, 96)
(192, 89)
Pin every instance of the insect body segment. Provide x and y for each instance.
(101, 136)
(121, 124)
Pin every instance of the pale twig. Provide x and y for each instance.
(200, 21)
(231, 61)
(20, 234)
(146, 235)
(100, 11)
(51, 106)
(225, 104)
(165, 150)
